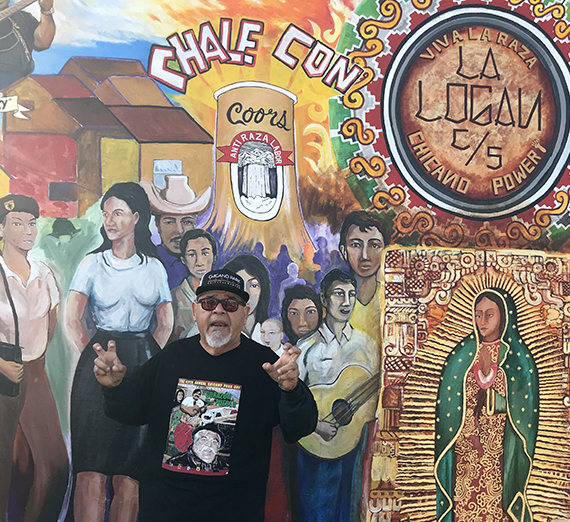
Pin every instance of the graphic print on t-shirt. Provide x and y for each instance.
(202, 424)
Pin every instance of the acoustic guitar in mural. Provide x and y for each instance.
(346, 404)
(9, 11)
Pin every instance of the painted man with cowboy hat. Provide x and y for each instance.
(175, 209)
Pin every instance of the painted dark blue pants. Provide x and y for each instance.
(330, 490)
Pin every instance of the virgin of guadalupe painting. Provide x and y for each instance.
(487, 419)
(483, 428)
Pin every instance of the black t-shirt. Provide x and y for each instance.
(242, 402)
(16, 46)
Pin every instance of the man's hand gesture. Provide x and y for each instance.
(285, 371)
(108, 369)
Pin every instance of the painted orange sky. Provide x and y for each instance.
(324, 21)
(190, 13)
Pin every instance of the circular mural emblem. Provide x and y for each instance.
(477, 112)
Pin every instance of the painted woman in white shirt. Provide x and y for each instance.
(124, 285)
(32, 412)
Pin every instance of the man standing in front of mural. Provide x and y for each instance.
(29, 300)
(342, 365)
(265, 391)
(20, 34)
(175, 209)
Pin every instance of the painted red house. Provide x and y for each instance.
(100, 121)
(39, 151)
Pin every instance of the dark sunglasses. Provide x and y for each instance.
(229, 305)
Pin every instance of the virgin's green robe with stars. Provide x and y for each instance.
(521, 407)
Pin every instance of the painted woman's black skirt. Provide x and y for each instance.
(99, 443)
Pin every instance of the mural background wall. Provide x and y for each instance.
(445, 125)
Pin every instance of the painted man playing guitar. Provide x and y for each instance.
(342, 369)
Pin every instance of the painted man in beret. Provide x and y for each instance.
(26, 401)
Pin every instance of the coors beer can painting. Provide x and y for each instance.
(255, 172)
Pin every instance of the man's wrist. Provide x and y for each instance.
(292, 390)
(47, 12)
(114, 384)
(113, 387)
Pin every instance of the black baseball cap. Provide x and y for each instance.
(223, 280)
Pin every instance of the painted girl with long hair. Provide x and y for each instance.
(124, 285)
(301, 313)
(257, 284)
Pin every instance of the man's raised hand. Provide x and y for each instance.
(108, 369)
(285, 371)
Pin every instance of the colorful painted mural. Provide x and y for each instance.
(391, 180)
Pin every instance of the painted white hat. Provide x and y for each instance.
(177, 197)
